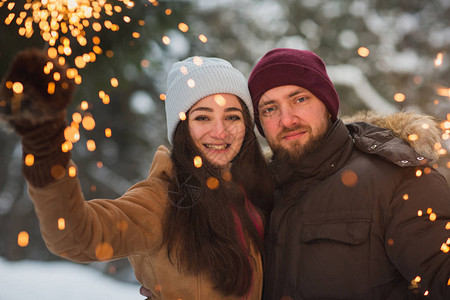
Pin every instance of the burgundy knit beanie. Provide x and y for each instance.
(283, 66)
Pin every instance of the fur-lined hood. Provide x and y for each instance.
(420, 131)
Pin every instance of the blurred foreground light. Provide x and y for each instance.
(438, 60)
(58, 171)
(88, 122)
(90, 145)
(202, 38)
(106, 99)
(57, 76)
(413, 137)
(17, 87)
(145, 63)
(61, 224)
(191, 83)
(23, 239)
(108, 132)
(198, 161)
(104, 251)
(182, 116)
(212, 183)
(76, 117)
(183, 27)
(122, 225)
(29, 160)
(84, 105)
(227, 176)
(66, 146)
(444, 92)
(72, 171)
(114, 82)
(51, 88)
(399, 97)
(220, 100)
(432, 217)
(197, 60)
(349, 178)
(166, 40)
(71, 134)
(363, 51)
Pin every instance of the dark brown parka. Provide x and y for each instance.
(363, 217)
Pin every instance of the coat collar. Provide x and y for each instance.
(337, 148)
(331, 156)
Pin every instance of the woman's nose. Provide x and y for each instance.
(219, 130)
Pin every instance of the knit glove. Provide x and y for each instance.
(34, 95)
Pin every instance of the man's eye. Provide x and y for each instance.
(268, 110)
(301, 99)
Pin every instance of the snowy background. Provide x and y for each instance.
(60, 280)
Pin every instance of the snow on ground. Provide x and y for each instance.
(39, 280)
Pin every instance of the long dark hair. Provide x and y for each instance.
(199, 230)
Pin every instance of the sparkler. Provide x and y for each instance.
(61, 21)
(64, 25)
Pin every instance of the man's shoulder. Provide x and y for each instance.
(384, 144)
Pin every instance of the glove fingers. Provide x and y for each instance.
(42, 88)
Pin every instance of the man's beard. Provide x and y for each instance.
(296, 152)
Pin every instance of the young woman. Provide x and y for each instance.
(193, 228)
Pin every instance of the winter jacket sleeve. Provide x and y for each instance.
(417, 235)
(103, 229)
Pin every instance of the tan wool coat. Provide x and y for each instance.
(129, 226)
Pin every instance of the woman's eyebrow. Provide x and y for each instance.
(202, 108)
(228, 109)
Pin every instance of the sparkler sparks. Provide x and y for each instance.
(363, 51)
(212, 183)
(61, 223)
(29, 160)
(104, 251)
(72, 171)
(438, 60)
(202, 38)
(61, 21)
(23, 239)
(399, 97)
(349, 178)
(198, 161)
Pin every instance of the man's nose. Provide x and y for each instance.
(288, 118)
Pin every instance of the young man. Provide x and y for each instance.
(359, 214)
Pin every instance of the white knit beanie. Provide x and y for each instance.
(197, 77)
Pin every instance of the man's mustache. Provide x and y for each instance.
(284, 131)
